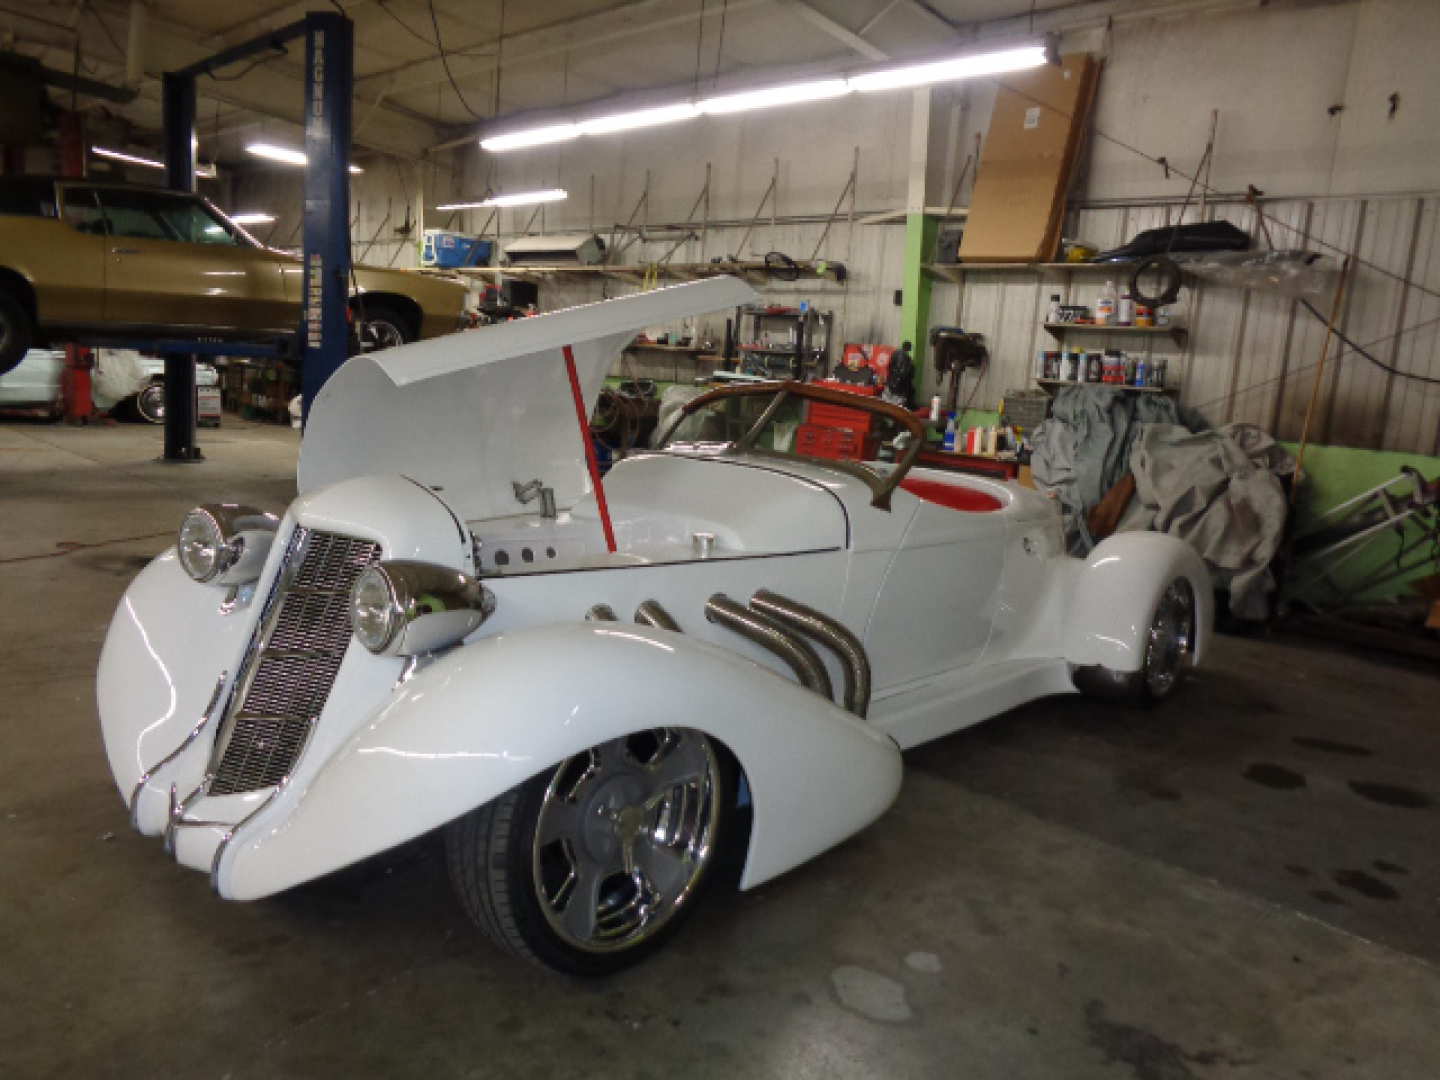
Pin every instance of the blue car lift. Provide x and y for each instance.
(323, 333)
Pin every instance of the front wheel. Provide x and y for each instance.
(1169, 646)
(589, 866)
(149, 404)
(380, 326)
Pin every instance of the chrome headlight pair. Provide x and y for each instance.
(225, 543)
(404, 608)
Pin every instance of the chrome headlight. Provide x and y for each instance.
(404, 608)
(225, 543)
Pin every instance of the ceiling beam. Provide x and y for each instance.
(839, 32)
(627, 20)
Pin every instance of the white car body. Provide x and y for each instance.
(415, 450)
(118, 375)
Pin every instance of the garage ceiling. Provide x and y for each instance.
(548, 55)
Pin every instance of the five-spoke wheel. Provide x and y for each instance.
(588, 866)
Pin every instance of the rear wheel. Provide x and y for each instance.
(1169, 646)
(590, 866)
(17, 331)
(381, 326)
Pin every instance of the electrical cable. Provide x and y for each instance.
(445, 63)
(1162, 264)
(1362, 351)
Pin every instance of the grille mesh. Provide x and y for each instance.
(288, 675)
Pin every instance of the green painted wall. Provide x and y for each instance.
(1337, 473)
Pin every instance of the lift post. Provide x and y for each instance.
(323, 333)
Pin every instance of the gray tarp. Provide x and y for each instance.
(1220, 492)
(1083, 450)
(1217, 490)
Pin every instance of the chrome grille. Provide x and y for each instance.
(291, 666)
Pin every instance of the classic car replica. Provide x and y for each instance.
(82, 259)
(596, 686)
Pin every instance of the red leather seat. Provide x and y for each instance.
(954, 496)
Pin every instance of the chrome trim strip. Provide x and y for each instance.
(146, 776)
(854, 662)
(230, 833)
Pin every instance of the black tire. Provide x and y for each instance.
(495, 868)
(379, 325)
(17, 331)
(1166, 654)
(149, 404)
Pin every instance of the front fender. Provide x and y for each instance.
(490, 715)
(1114, 593)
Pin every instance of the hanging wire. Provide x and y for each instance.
(445, 60)
(720, 44)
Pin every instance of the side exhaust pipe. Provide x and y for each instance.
(650, 613)
(854, 662)
(601, 613)
(773, 635)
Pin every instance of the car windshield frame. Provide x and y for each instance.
(881, 486)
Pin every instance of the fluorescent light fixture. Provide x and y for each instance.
(202, 170)
(641, 118)
(517, 140)
(963, 67)
(252, 217)
(792, 94)
(520, 198)
(284, 154)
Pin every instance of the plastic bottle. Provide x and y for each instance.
(1105, 306)
(949, 444)
(1125, 313)
(1052, 315)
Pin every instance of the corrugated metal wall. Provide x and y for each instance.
(1253, 355)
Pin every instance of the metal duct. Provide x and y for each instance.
(773, 635)
(854, 663)
(650, 613)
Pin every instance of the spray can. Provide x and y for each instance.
(1142, 372)
(949, 444)
(1052, 313)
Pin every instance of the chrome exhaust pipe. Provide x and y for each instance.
(854, 663)
(601, 613)
(650, 613)
(771, 634)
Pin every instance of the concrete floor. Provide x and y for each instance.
(1216, 889)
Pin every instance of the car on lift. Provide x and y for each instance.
(595, 687)
(123, 382)
(88, 260)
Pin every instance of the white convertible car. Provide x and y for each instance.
(595, 687)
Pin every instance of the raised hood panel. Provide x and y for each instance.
(469, 413)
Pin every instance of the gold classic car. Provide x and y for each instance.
(80, 258)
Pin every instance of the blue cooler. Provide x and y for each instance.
(449, 250)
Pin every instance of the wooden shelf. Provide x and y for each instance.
(1047, 383)
(1176, 333)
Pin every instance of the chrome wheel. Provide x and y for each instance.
(624, 835)
(1171, 639)
(150, 404)
(380, 333)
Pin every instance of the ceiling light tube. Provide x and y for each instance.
(518, 140)
(641, 118)
(284, 154)
(769, 96)
(202, 170)
(961, 67)
(520, 198)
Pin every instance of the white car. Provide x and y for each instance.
(594, 688)
(122, 380)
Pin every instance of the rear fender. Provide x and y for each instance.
(1114, 593)
(488, 716)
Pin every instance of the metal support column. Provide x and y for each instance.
(179, 110)
(329, 64)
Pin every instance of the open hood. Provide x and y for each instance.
(469, 413)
